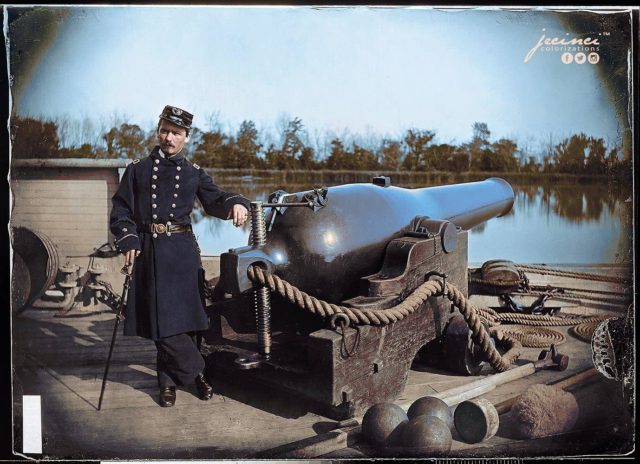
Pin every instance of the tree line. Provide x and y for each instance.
(292, 149)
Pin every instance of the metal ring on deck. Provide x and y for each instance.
(339, 317)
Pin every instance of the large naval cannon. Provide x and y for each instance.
(364, 246)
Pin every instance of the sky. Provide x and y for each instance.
(361, 70)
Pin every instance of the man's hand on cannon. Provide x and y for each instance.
(239, 214)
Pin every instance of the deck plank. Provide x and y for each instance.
(62, 359)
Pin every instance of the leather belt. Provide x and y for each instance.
(164, 228)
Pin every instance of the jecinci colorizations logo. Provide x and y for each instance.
(572, 49)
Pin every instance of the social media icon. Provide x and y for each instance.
(593, 58)
(567, 58)
(580, 58)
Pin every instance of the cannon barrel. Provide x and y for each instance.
(326, 251)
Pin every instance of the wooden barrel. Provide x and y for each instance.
(35, 254)
(20, 282)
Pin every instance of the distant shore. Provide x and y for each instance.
(286, 177)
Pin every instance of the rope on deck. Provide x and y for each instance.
(476, 318)
(544, 270)
(585, 330)
(398, 312)
(534, 337)
(560, 294)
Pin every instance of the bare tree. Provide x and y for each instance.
(63, 124)
(213, 122)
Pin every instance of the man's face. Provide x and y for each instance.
(171, 137)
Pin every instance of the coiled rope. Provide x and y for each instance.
(500, 285)
(585, 331)
(535, 337)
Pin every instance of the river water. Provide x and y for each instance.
(553, 224)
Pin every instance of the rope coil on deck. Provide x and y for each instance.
(535, 337)
(501, 285)
(585, 330)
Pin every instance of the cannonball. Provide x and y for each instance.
(380, 421)
(395, 438)
(431, 406)
(426, 436)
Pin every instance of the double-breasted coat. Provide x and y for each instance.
(166, 293)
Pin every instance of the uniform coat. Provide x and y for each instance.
(166, 295)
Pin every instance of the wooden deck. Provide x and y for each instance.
(62, 359)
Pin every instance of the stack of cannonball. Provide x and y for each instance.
(423, 431)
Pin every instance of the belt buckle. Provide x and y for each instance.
(159, 228)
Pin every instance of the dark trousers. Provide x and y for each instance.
(179, 360)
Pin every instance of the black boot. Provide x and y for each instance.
(205, 391)
(167, 396)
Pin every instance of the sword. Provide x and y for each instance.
(127, 270)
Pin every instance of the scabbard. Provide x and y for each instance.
(119, 317)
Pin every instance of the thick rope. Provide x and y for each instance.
(534, 337)
(563, 290)
(396, 313)
(578, 275)
(578, 297)
(356, 316)
(494, 283)
(478, 333)
(532, 319)
(585, 331)
(475, 317)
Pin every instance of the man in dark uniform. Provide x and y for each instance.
(150, 220)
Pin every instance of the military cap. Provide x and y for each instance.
(177, 116)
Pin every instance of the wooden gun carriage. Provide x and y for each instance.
(361, 246)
